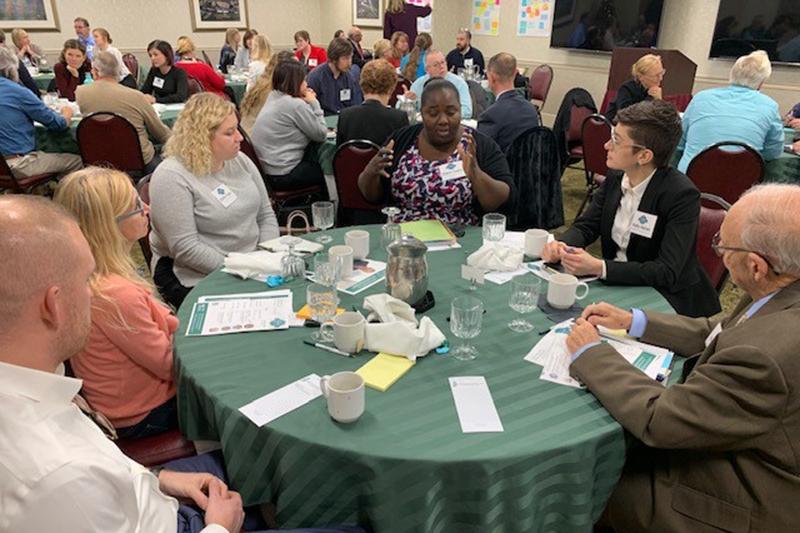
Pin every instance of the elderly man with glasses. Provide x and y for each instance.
(436, 67)
(719, 450)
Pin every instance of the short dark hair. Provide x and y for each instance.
(654, 124)
(503, 65)
(82, 20)
(302, 34)
(164, 47)
(288, 77)
(466, 32)
(71, 44)
(434, 85)
(338, 34)
(339, 48)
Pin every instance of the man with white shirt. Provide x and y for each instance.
(722, 446)
(436, 67)
(58, 472)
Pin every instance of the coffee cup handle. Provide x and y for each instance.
(323, 385)
(585, 293)
(324, 326)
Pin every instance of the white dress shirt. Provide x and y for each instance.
(58, 472)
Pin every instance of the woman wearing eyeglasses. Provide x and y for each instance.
(648, 73)
(126, 365)
(646, 215)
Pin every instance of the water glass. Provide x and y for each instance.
(494, 227)
(391, 231)
(292, 266)
(524, 298)
(322, 302)
(466, 316)
(325, 271)
(322, 217)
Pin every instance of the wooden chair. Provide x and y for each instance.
(541, 80)
(726, 169)
(348, 162)
(710, 222)
(107, 139)
(595, 133)
(21, 185)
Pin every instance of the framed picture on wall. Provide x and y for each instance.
(218, 14)
(29, 14)
(367, 13)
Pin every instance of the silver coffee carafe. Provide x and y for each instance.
(407, 269)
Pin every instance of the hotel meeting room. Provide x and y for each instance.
(399, 266)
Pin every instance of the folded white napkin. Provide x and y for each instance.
(496, 257)
(303, 246)
(253, 264)
(387, 308)
(404, 338)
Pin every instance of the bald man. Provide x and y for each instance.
(721, 448)
(436, 67)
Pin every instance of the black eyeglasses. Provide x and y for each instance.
(720, 251)
(138, 209)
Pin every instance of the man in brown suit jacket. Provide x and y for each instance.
(721, 447)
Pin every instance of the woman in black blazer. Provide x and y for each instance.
(646, 216)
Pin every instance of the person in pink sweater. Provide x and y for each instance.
(126, 365)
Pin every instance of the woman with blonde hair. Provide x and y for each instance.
(254, 99)
(211, 81)
(382, 49)
(126, 365)
(26, 51)
(412, 66)
(102, 43)
(207, 198)
(648, 73)
(402, 16)
(400, 47)
(259, 57)
(227, 55)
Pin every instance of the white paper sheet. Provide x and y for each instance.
(237, 313)
(284, 400)
(474, 405)
(366, 273)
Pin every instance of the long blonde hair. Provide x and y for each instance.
(254, 98)
(396, 6)
(261, 49)
(97, 196)
(230, 37)
(422, 43)
(190, 141)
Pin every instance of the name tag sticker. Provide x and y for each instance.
(451, 171)
(225, 196)
(713, 335)
(644, 224)
(158, 82)
(312, 62)
(344, 95)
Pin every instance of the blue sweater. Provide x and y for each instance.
(18, 109)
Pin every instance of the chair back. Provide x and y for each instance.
(132, 64)
(536, 168)
(680, 101)
(194, 85)
(247, 148)
(541, 79)
(143, 188)
(348, 162)
(206, 59)
(107, 139)
(576, 117)
(710, 222)
(726, 169)
(595, 133)
(607, 99)
(400, 87)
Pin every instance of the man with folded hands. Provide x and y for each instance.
(721, 447)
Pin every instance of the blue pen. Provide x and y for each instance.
(662, 373)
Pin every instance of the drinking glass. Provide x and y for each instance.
(322, 302)
(466, 315)
(292, 266)
(325, 271)
(390, 231)
(524, 298)
(494, 227)
(322, 217)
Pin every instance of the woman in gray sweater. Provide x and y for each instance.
(290, 119)
(207, 198)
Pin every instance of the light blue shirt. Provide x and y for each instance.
(18, 109)
(88, 42)
(420, 65)
(463, 93)
(732, 113)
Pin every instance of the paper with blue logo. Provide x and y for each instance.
(222, 193)
(643, 224)
(239, 313)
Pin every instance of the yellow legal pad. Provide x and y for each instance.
(383, 370)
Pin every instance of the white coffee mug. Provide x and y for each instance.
(562, 290)
(535, 239)
(343, 255)
(349, 331)
(345, 394)
(358, 240)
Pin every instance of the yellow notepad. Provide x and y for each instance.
(428, 230)
(383, 370)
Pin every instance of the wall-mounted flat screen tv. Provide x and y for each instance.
(602, 25)
(746, 25)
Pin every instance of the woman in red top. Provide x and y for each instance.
(71, 69)
(400, 47)
(208, 78)
(309, 55)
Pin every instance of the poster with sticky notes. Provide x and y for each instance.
(486, 17)
(383, 370)
(535, 18)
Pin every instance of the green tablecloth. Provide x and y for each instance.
(43, 80)
(785, 169)
(65, 141)
(239, 88)
(405, 466)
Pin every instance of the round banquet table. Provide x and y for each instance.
(405, 465)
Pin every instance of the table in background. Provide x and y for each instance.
(239, 87)
(43, 80)
(405, 466)
(785, 169)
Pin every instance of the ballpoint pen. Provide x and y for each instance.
(327, 348)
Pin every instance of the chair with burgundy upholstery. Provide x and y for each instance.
(283, 202)
(20, 185)
(574, 147)
(194, 85)
(348, 162)
(94, 135)
(541, 79)
(133, 65)
(710, 222)
(595, 133)
(726, 169)
(399, 88)
(607, 99)
(143, 187)
(680, 101)
(157, 449)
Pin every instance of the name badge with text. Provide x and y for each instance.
(344, 95)
(158, 82)
(225, 196)
(644, 224)
(451, 171)
(312, 62)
